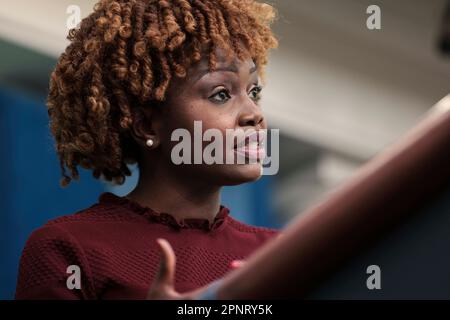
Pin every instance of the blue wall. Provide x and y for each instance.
(30, 193)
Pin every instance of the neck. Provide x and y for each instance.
(161, 189)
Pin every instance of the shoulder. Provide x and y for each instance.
(243, 239)
(86, 222)
(47, 254)
(61, 234)
(98, 212)
(51, 243)
(244, 228)
(76, 230)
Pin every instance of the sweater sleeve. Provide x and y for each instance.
(43, 269)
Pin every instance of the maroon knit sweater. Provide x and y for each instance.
(113, 243)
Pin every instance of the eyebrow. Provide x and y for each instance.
(231, 68)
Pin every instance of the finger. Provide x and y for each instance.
(237, 264)
(166, 274)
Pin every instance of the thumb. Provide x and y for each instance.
(166, 273)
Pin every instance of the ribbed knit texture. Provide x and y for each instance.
(114, 244)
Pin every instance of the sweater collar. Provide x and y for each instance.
(166, 218)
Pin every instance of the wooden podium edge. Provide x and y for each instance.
(382, 194)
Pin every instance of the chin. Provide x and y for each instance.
(241, 173)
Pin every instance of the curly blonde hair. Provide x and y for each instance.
(122, 58)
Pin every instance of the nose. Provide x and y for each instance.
(251, 115)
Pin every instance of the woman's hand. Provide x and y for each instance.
(163, 287)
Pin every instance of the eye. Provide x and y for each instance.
(255, 93)
(220, 97)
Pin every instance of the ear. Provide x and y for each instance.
(146, 124)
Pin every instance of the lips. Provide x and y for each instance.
(252, 147)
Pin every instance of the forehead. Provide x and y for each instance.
(223, 61)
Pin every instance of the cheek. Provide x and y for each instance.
(209, 115)
(221, 121)
(184, 116)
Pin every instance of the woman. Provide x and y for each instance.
(136, 71)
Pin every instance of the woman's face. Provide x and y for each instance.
(224, 99)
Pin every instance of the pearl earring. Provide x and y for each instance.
(149, 143)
